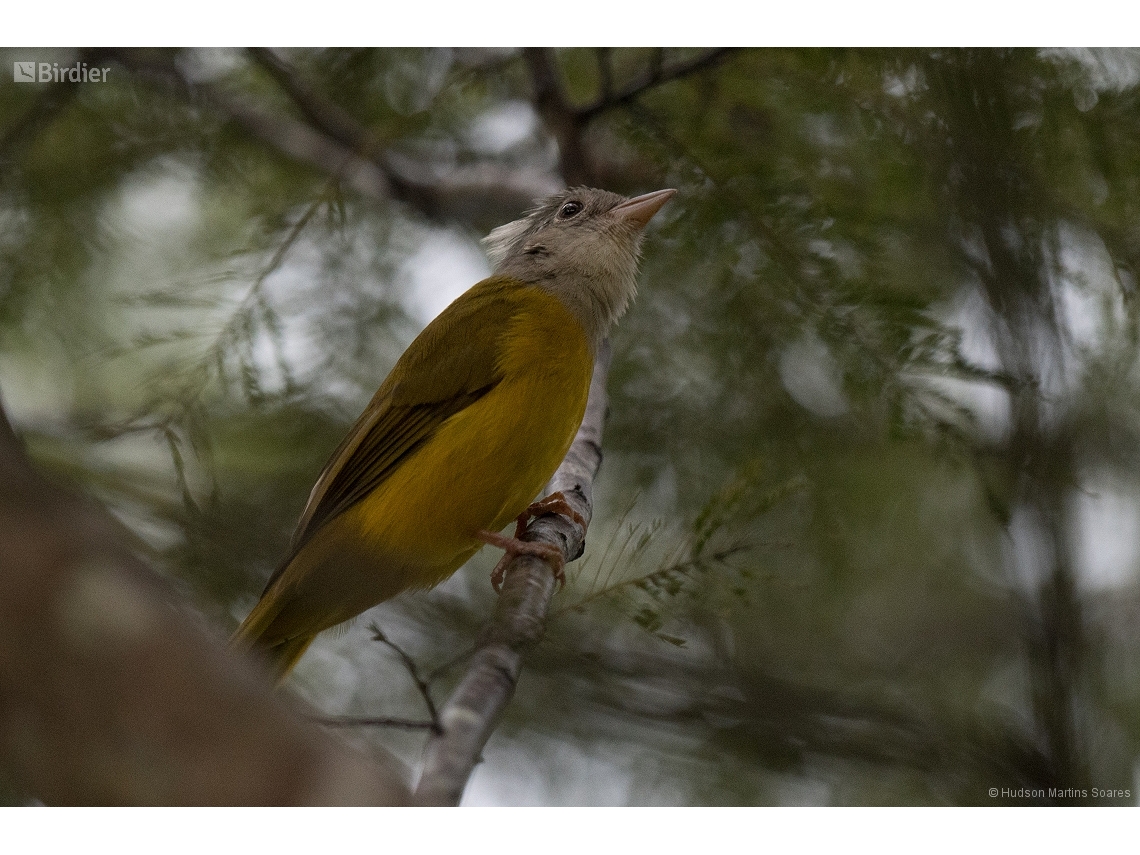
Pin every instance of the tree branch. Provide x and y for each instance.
(561, 119)
(295, 139)
(567, 123)
(109, 694)
(470, 715)
(348, 721)
(414, 672)
(332, 142)
(657, 74)
(320, 112)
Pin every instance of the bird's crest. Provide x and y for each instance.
(499, 242)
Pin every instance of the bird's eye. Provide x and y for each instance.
(569, 210)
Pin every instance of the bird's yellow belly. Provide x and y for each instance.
(479, 470)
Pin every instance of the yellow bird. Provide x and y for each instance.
(470, 424)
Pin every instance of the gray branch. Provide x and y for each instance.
(470, 715)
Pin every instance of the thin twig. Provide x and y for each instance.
(656, 75)
(683, 568)
(320, 111)
(413, 672)
(254, 292)
(399, 723)
(440, 670)
(215, 351)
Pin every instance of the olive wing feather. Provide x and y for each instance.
(451, 364)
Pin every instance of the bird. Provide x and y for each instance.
(466, 429)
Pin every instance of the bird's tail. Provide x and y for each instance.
(252, 635)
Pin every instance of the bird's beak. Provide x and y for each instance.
(640, 209)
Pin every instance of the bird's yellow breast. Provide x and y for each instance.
(478, 470)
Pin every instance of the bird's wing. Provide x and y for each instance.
(451, 364)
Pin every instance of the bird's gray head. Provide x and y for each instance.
(582, 245)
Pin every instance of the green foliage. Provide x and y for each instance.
(883, 361)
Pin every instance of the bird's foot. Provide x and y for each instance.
(555, 503)
(513, 546)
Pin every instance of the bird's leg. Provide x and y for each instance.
(513, 546)
(555, 503)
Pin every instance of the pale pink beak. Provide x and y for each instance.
(640, 209)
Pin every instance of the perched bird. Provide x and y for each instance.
(467, 428)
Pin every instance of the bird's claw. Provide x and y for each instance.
(513, 547)
(555, 503)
